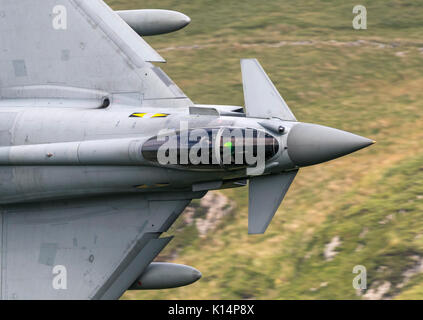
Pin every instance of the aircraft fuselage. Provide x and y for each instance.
(53, 153)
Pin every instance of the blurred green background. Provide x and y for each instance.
(363, 209)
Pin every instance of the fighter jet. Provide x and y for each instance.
(100, 151)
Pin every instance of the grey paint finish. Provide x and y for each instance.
(92, 238)
(19, 67)
(77, 103)
(265, 196)
(310, 144)
(102, 51)
(48, 253)
(126, 276)
(262, 99)
(7, 120)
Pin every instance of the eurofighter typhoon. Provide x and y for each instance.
(100, 151)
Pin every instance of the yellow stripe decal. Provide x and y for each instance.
(160, 115)
(157, 185)
(143, 115)
(161, 185)
(137, 115)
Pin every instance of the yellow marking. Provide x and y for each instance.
(157, 185)
(160, 115)
(138, 115)
(161, 185)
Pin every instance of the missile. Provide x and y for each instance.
(150, 22)
(161, 275)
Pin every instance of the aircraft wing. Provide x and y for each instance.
(77, 49)
(91, 248)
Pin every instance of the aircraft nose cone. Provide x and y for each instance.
(310, 144)
(196, 275)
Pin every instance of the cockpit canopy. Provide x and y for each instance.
(211, 148)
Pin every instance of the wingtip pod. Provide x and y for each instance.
(162, 275)
(151, 22)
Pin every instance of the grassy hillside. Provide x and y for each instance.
(369, 205)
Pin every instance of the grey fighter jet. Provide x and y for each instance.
(100, 151)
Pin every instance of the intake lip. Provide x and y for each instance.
(310, 144)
